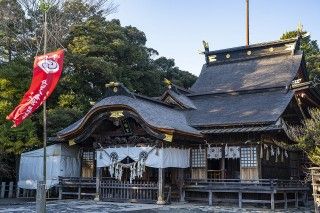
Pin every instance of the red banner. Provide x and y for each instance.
(47, 70)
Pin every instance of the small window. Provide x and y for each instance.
(198, 158)
(88, 156)
(248, 157)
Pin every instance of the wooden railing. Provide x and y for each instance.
(315, 175)
(75, 186)
(216, 174)
(111, 189)
(137, 191)
(267, 187)
(260, 184)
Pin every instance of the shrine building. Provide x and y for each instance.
(225, 139)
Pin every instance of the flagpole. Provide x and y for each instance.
(247, 22)
(45, 109)
(41, 190)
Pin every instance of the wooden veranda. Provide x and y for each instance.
(262, 191)
(271, 192)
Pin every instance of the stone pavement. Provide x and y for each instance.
(90, 206)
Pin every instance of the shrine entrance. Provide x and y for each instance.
(140, 173)
(223, 162)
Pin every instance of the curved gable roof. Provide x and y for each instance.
(154, 114)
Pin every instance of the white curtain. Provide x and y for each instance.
(157, 157)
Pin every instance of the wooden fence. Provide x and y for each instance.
(137, 191)
(315, 174)
(70, 187)
(10, 190)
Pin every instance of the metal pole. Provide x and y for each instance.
(247, 22)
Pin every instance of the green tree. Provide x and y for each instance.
(15, 140)
(307, 136)
(170, 71)
(99, 51)
(12, 30)
(310, 49)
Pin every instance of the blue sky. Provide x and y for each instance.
(176, 28)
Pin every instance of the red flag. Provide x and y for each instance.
(47, 70)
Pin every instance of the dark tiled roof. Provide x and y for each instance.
(244, 88)
(153, 113)
(241, 129)
(238, 108)
(182, 100)
(248, 74)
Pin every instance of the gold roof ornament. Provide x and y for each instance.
(167, 82)
(112, 84)
(212, 58)
(116, 114)
(205, 46)
(72, 142)
(168, 137)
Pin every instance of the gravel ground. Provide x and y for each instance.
(90, 206)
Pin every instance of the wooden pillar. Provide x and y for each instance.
(79, 191)
(24, 193)
(240, 200)
(305, 199)
(272, 201)
(296, 197)
(98, 178)
(223, 165)
(210, 198)
(161, 200)
(17, 191)
(3, 189)
(181, 184)
(10, 190)
(60, 192)
(285, 200)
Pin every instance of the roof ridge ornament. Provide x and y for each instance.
(117, 88)
(168, 83)
(205, 46)
(300, 28)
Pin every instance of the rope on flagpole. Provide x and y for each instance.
(51, 34)
(39, 45)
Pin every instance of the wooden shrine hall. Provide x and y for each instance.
(223, 140)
